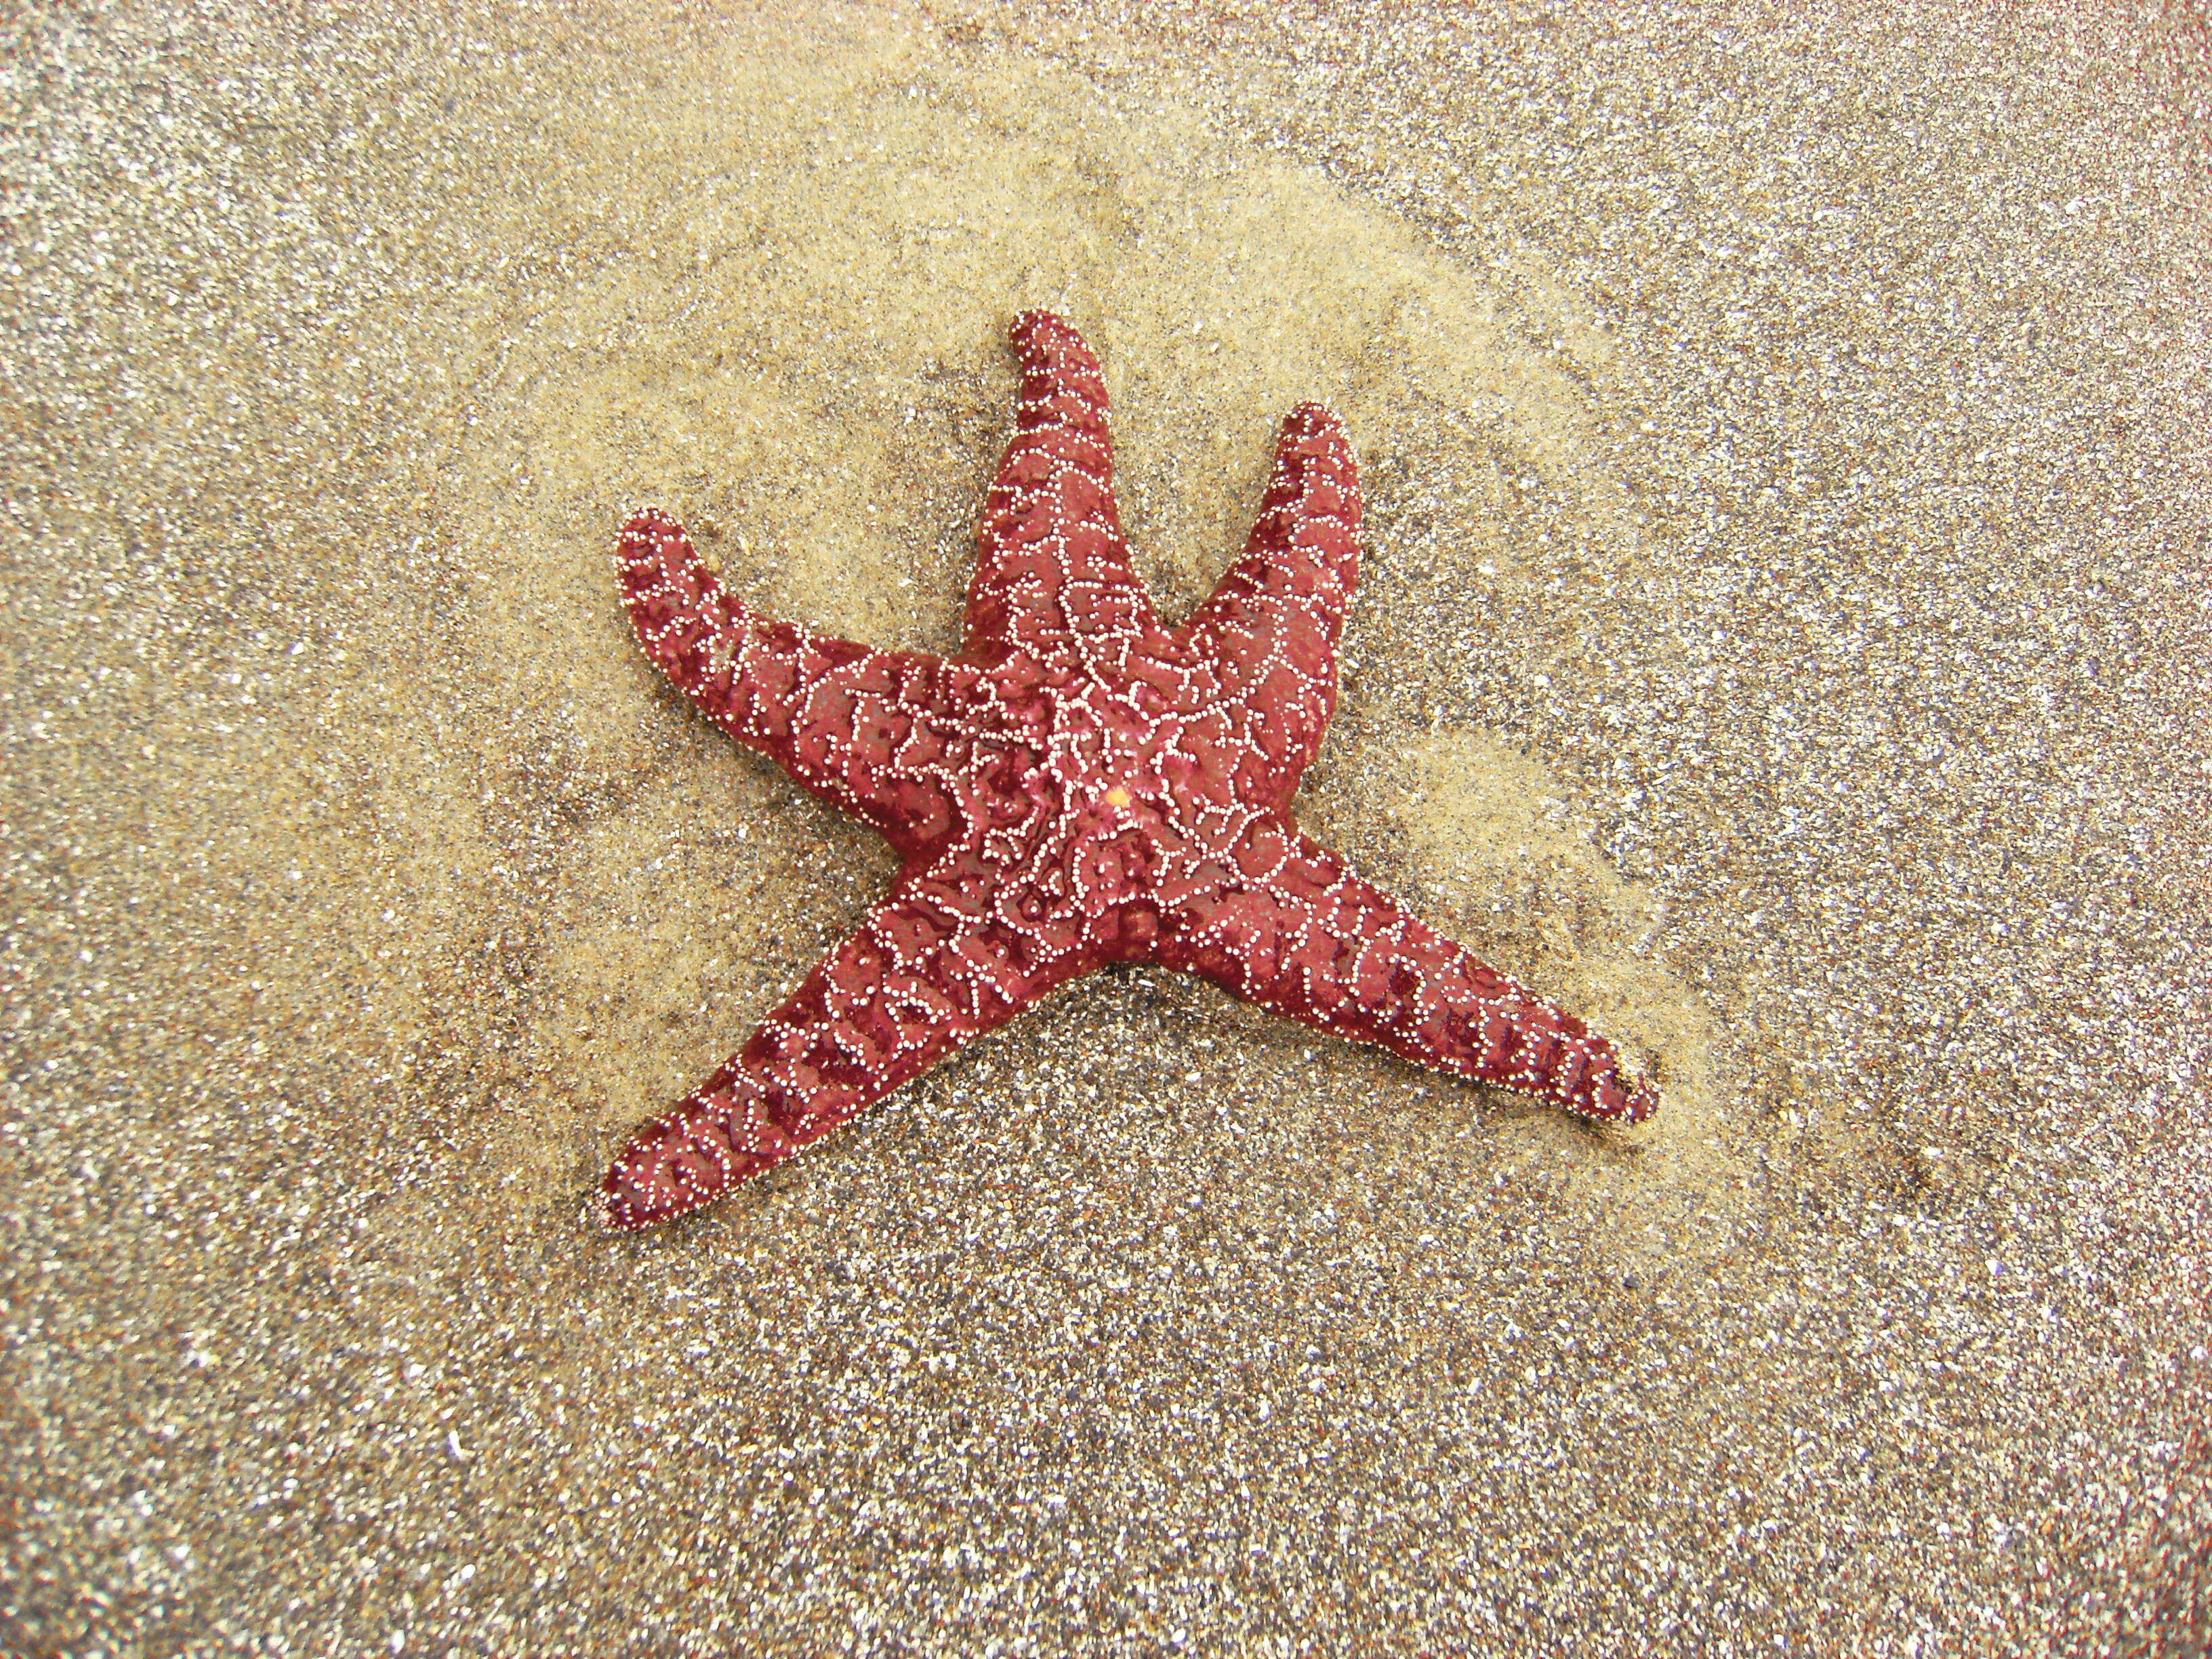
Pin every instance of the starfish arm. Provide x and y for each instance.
(1301, 935)
(873, 733)
(1270, 629)
(924, 972)
(1052, 567)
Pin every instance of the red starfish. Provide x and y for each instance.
(1081, 785)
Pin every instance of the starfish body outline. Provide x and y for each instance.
(1080, 784)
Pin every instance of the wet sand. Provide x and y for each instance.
(1780, 639)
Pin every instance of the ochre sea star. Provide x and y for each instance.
(1081, 785)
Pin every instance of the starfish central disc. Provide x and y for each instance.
(1080, 784)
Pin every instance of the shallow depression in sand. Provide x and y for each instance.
(804, 360)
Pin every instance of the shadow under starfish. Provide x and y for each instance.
(1080, 784)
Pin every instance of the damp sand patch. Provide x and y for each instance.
(800, 351)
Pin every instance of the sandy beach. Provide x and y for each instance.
(1783, 638)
